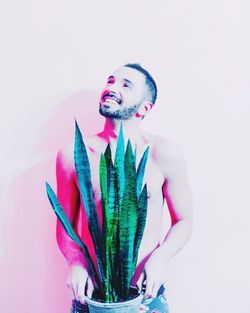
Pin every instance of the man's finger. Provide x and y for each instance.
(73, 287)
(143, 308)
(80, 291)
(73, 295)
(149, 289)
(140, 281)
(90, 287)
(155, 290)
(68, 283)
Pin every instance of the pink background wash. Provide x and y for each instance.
(198, 53)
(34, 271)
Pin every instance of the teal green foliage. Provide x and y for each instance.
(128, 222)
(124, 211)
(141, 170)
(70, 231)
(82, 167)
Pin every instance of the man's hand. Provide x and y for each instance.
(154, 274)
(79, 281)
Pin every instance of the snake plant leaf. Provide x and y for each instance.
(104, 192)
(113, 282)
(111, 192)
(135, 152)
(82, 167)
(141, 170)
(111, 223)
(119, 165)
(128, 222)
(111, 218)
(119, 189)
(108, 274)
(112, 242)
(107, 188)
(142, 215)
(108, 157)
(70, 231)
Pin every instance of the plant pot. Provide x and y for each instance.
(130, 306)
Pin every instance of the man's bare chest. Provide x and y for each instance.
(152, 177)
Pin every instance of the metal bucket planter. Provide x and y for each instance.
(130, 306)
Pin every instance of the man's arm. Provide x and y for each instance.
(178, 195)
(69, 197)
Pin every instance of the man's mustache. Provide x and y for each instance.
(111, 95)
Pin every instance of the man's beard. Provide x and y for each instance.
(124, 114)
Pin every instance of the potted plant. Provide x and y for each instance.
(124, 210)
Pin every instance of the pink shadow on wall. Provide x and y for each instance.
(34, 271)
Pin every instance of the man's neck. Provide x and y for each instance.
(131, 130)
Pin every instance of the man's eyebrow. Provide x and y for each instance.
(128, 81)
(125, 79)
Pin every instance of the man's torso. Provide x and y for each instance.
(154, 178)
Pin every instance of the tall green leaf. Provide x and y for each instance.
(119, 188)
(135, 152)
(70, 231)
(111, 215)
(108, 158)
(141, 170)
(104, 192)
(113, 281)
(128, 222)
(84, 180)
(141, 222)
(119, 165)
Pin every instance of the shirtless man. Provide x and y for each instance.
(128, 96)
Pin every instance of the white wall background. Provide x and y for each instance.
(198, 52)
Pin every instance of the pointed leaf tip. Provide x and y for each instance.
(77, 129)
(129, 146)
(48, 188)
(76, 125)
(121, 128)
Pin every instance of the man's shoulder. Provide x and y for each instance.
(164, 147)
(66, 152)
(168, 156)
(168, 148)
(65, 156)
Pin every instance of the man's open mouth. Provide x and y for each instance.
(111, 98)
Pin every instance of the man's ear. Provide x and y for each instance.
(144, 108)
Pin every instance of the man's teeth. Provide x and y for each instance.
(110, 101)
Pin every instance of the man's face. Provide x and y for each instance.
(123, 94)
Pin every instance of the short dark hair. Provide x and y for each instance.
(149, 79)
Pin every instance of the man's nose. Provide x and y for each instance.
(114, 88)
